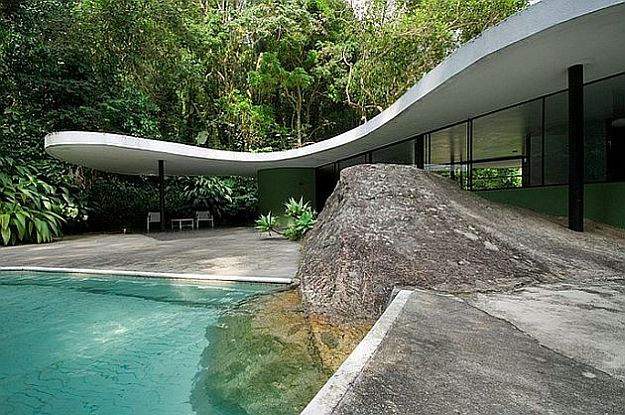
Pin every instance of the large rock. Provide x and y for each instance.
(386, 226)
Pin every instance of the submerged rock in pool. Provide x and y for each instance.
(264, 358)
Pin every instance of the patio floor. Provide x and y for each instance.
(222, 251)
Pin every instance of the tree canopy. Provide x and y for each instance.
(242, 75)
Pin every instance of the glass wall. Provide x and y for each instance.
(556, 155)
(447, 153)
(604, 130)
(343, 164)
(521, 146)
(402, 153)
(449, 145)
(507, 148)
(489, 175)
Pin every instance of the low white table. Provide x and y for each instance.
(182, 222)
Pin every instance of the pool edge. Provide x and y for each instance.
(168, 275)
(331, 394)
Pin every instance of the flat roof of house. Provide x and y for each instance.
(524, 57)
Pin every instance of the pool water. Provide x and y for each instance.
(107, 345)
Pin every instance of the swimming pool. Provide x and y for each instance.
(72, 344)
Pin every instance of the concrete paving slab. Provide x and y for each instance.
(222, 251)
(582, 320)
(444, 356)
(328, 398)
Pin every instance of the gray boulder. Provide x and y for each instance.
(386, 226)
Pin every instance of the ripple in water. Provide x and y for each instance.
(103, 345)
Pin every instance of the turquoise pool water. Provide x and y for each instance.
(107, 345)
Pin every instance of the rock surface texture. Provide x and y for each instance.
(386, 226)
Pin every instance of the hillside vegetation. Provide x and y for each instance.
(254, 75)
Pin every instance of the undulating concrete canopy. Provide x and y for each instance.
(524, 57)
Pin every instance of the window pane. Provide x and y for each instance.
(512, 140)
(497, 175)
(402, 153)
(604, 144)
(505, 133)
(535, 160)
(557, 139)
(352, 162)
(449, 145)
(455, 172)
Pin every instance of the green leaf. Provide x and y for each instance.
(201, 137)
(43, 231)
(20, 223)
(4, 220)
(6, 235)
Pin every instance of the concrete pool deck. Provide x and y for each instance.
(238, 252)
(556, 348)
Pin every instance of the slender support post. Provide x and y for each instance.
(452, 159)
(576, 148)
(527, 163)
(542, 144)
(419, 152)
(470, 154)
(161, 191)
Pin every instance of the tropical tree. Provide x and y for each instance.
(397, 43)
(253, 75)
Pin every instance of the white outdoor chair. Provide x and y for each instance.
(203, 216)
(153, 217)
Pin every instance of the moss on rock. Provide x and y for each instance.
(263, 359)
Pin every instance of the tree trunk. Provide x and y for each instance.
(298, 117)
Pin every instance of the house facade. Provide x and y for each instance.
(530, 113)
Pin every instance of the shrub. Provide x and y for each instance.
(32, 210)
(121, 201)
(266, 223)
(244, 206)
(301, 224)
(301, 216)
(206, 193)
(231, 199)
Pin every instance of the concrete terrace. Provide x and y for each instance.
(556, 349)
(222, 251)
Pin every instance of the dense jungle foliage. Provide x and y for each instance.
(243, 75)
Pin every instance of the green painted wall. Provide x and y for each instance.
(550, 200)
(604, 202)
(276, 186)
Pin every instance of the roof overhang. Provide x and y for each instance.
(522, 58)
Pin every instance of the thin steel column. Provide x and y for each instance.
(161, 191)
(542, 144)
(429, 161)
(419, 152)
(576, 148)
(526, 163)
(470, 154)
(452, 159)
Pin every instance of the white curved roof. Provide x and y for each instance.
(524, 57)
